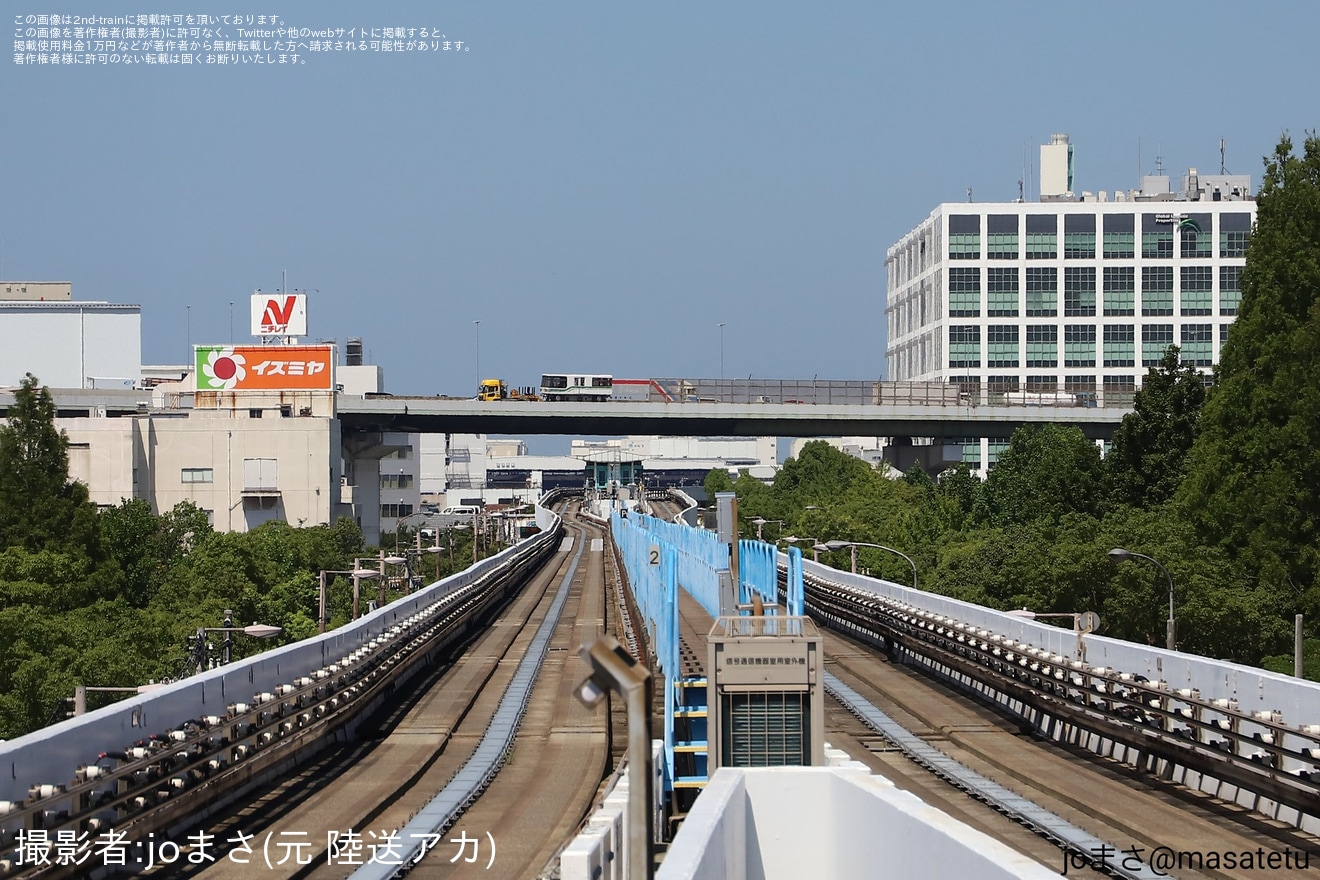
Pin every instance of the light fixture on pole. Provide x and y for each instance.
(434, 550)
(811, 542)
(761, 523)
(382, 560)
(201, 648)
(839, 545)
(399, 528)
(450, 532)
(614, 669)
(1118, 554)
(359, 574)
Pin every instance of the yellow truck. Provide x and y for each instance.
(496, 389)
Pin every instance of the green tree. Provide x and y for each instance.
(718, 480)
(34, 452)
(1046, 472)
(1146, 464)
(1284, 663)
(917, 476)
(957, 493)
(39, 507)
(147, 546)
(819, 475)
(130, 534)
(1251, 485)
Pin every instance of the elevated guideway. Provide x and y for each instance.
(169, 758)
(1211, 742)
(899, 419)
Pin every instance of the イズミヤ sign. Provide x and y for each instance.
(265, 367)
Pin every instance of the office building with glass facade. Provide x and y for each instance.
(1070, 297)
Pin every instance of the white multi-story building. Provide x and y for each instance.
(67, 343)
(732, 451)
(400, 488)
(1075, 295)
(252, 458)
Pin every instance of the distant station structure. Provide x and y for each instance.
(613, 481)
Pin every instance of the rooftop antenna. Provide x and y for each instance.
(969, 193)
(1159, 161)
(284, 290)
(1221, 156)
(1026, 169)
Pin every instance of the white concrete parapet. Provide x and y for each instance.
(600, 850)
(52, 754)
(750, 824)
(597, 853)
(1254, 689)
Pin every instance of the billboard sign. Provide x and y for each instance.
(279, 314)
(264, 367)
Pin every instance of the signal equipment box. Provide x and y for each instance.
(765, 692)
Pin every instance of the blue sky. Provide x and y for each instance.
(602, 184)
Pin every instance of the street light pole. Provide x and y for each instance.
(381, 561)
(1118, 554)
(613, 669)
(435, 549)
(201, 649)
(228, 648)
(476, 351)
(359, 573)
(839, 545)
(811, 542)
(475, 527)
(721, 358)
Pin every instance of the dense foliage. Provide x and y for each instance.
(1149, 455)
(109, 599)
(1253, 482)
(1025, 538)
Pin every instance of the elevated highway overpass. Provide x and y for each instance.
(916, 418)
(428, 415)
